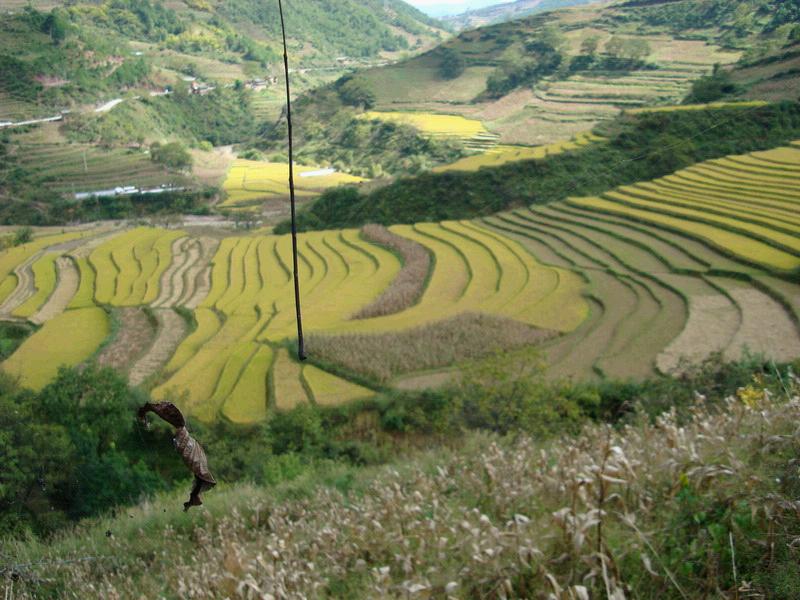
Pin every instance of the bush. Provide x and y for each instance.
(712, 88)
(356, 91)
(452, 64)
(23, 235)
(172, 155)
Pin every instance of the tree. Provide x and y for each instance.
(636, 49)
(509, 392)
(452, 64)
(56, 27)
(356, 91)
(711, 88)
(23, 235)
(551, 36)
(614, 46)
(590, 45)
(172, 155)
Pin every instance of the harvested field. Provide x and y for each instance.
(187, 280)
(134, 335)
(172, 329)
(409, 284)
(765, 329)
(714, 320)
(68, 279)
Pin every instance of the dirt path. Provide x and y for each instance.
(66, 288)
(135, 335)
(25, 287)
(171, 331)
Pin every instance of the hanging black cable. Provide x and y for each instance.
(301, 354)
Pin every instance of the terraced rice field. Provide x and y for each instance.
(654, 254)
(743, 206)
(73, 168)
(469, 131)
(250, 182)
(502, 154)
(630, 283)
(69, 339)
(250, 308)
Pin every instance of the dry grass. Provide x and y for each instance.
(443, 343)
(407, 287)
(664, 509)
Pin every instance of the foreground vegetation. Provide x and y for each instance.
(649, 503)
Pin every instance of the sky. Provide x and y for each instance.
(437, 8)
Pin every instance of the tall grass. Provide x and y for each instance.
(407, 287)
(698, 507)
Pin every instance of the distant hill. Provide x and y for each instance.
(324, 31)
(508, 11)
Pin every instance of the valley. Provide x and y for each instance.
(548, 263)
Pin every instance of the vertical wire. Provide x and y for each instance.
(301, 354)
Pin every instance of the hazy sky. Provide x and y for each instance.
(450, 7)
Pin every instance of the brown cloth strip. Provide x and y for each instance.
(192, 453)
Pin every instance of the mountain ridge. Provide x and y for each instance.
(508, 11)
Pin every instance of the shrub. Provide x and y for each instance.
(711, 88)
(356, 91)
(172, 155)
(452, 64)
(23, 235)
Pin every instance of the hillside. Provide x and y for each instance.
(372, 28)
(541, 79)
(668, 508)
(114, 77)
